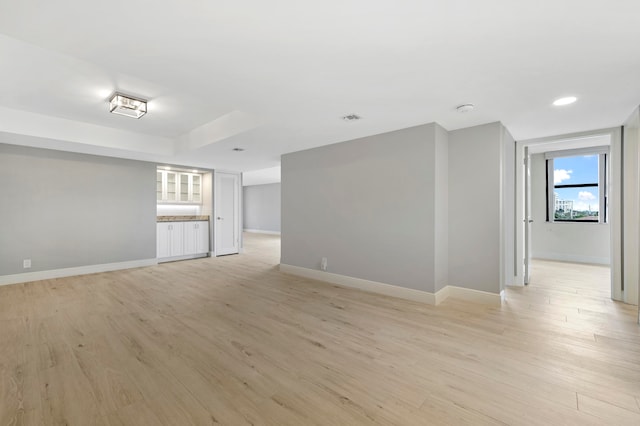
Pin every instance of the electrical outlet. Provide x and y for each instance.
(26, 263)
(323, 264)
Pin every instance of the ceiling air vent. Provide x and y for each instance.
(352, 117)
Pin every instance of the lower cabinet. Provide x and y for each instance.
(196, 237)
(182, 240)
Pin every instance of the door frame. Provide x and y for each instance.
(614, 202)
(527, 216)
(239, 216)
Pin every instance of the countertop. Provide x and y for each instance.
(181, 218)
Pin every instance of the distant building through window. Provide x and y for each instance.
(563, 207)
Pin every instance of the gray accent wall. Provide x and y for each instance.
(508, 209)
(65, 210)
(369, 206)
(441, 200)
(475, 207)
(419, 208)
(261, 207)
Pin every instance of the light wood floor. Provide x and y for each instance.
(233, 341)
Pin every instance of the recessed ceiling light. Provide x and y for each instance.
(465, 108)
(238, 149)
(565, 101)
(351, 117)
(126, 105)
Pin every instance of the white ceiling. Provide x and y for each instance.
(275, 77)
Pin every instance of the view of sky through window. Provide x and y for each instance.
(576, 203)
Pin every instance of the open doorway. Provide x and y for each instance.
(566, 213)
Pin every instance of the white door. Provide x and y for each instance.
(527, 215)
(227, 213)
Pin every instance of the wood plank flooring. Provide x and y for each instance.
(233, 341)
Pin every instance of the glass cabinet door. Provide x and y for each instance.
(181, 187)
(172, 186)
(196, 188)
(159, 186)
(184, 187)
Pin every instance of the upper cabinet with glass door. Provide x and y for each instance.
(178, 187)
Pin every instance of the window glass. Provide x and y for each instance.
(574, 194)
(575, 170)
(576, 203)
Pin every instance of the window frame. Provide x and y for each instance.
(603, 169)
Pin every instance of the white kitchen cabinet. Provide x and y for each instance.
(170, 239)
(196, 237)
(182, 240)
(159, 185)
(178, 187)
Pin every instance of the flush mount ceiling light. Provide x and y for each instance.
(565, 101)
(126, 105)
(465, 108)
(352, 117)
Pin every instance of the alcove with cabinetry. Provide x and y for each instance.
(184, 208)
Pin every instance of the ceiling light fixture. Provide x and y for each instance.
(465, 108)
(238, 149)
(351, 117)
(126, 105)
(565, 101)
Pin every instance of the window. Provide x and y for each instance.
(576, 185)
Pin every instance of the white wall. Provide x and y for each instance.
(476, 235)
(261, 207)
(571, 242)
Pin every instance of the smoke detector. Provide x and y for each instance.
(465, 108)
(352, 117)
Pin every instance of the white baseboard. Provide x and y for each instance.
(442, 295)
(573, 258)
(79, 270)
(184, 257)
(476, 296)
(260, 231)
(393, 290)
